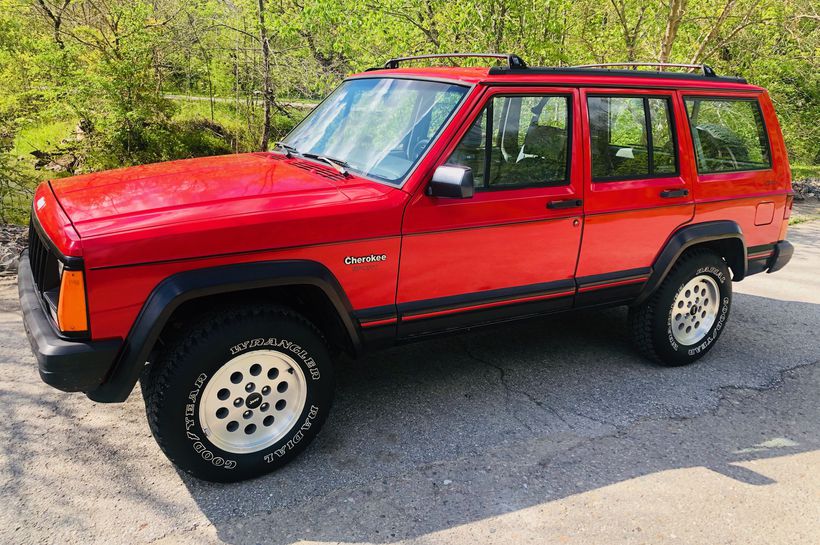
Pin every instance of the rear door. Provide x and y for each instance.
(638, 188)
(512, 248)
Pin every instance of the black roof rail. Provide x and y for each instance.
(516, 64)
(707, 70)
(513, 61)
(598, 70)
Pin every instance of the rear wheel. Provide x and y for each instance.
(686, 315)
(241, 393)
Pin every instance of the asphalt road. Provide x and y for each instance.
(552, 431)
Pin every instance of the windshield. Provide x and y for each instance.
(378, 127)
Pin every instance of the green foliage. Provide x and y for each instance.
(44, 134)
(107, 66)
(15, 190)
(803, 172)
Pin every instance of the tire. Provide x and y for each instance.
(665, 329)
(203, 382)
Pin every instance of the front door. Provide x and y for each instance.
(512, 248)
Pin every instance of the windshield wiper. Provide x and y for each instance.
(289, 150)
(338, 164)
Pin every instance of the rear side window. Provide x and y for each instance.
(728, 133)
(631, 137)
(518, 141)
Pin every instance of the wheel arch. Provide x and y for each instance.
(183, 294)
(724, 237)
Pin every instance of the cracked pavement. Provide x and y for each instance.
(549, 431)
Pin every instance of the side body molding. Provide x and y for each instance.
(189, 285)
(724, 232)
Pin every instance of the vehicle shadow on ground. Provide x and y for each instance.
(437, 434)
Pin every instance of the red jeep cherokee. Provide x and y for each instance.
(410, 202)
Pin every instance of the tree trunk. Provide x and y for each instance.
(267, 92)
(56, 18)
(713, 33)
(676, 11)
(632, 34)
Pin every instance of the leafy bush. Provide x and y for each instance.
(151, 142)
(16, 190)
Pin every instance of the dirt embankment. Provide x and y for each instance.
(13, 238)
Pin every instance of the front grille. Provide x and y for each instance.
(44, 264)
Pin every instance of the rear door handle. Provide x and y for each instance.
(566, 203)
(672, 193)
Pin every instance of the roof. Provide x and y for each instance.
(596, 77)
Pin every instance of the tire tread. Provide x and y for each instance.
(642, 317)
(158, 378)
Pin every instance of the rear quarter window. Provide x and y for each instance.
(728, 134)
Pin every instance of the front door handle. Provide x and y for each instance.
(565, 203)
(672, 193)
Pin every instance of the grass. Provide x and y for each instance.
(236, 123)
(18, 164)
(224, 114)
(805, 211)
(802, 172)
(45, 135)
(800, 218)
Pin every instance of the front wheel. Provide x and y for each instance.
(684, 318)
(241, 393)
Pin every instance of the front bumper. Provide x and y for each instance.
(68, 365)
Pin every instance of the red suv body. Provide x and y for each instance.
(469, 196)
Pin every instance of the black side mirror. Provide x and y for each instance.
(451, 181)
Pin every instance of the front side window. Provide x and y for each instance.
(631, 137)
(517, 141)
(378, 127)
(728, 133)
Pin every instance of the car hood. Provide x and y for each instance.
(192, 190)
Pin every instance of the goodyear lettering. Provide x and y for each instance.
(196, 442)
(724, 309)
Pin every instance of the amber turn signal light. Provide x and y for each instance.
(71, 308)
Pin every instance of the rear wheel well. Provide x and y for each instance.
(732, 252)
(308, 300)
(724, 238)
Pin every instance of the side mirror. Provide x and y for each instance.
(450, 181)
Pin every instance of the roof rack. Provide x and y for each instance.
(513, 61)
(707, 70)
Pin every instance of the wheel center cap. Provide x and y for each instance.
(253, 400)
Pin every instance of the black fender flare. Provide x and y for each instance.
(686, 237)
(186, 286)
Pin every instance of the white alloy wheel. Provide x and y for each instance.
(253, 401)
(695, 309)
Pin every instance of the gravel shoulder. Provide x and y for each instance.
(547, 431)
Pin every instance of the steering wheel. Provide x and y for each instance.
(419, 148)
